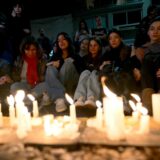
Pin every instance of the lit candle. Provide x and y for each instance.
(72, 108)
(135, 113)
(107, 101)
(99, 115)
(1, 116)
(22, 123)
(57, 129)
(19, 97)
(144, 121)
(156, 106)
(35, 106)
(139, 103)
(28, 121)
(48, 121)
(114, 115)
(12, 115)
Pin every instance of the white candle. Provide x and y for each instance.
(113, 107)
(35, 109)
(19, 97)
(35, 106)
(107, 102)
(156, 106)
(135, 112)
(48, 121)
(72, 108)
(99, 115)
(1, 117)
(22, 123)
(144, 121)
(28, 121)
(0, 107)
(139, 103)
(12, 114)
(72, 113)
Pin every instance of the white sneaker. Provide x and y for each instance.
(45, 100)
(60, 105)
(79, 102)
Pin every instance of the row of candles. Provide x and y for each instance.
(20, 117)
(109, 117)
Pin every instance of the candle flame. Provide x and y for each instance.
(19, 96)
(32, 98)
(108, 93)
(106, 90)
(133, 106)
(136, 97)
(69, 99)
(144, 110)
(10, 100)
(98, 103)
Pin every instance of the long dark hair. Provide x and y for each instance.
(71, 49)
(85, 25)
(27, 42)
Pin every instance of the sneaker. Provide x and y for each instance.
(46, 101)
(79, 102)
(60, 105)
(90, 102)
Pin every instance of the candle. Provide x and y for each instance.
(35, 109)
(106, 101)
(28, 121)
(135, 112)
(22, 124)
(139, 103)
(144, 121)
(156, 106)
(72, 108)
(19, 97)
(114, 115)
(1, 116)
(99, 115)
(35, 106)
(12, 115)
(57, 129)
(48, 121)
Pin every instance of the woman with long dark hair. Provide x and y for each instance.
(61, 73)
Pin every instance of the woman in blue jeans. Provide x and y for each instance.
(89, 88)
(61, 74)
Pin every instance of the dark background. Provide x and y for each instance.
(41, 8)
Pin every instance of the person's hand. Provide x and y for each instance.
(139, 52)
(103, 64)
(56, 64)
